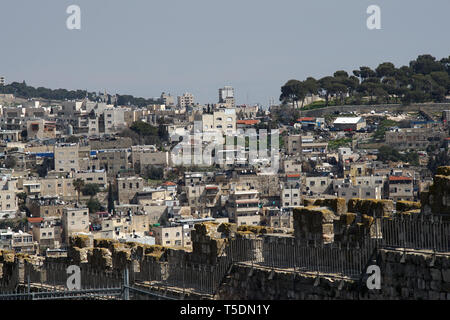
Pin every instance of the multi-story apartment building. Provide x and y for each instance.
(8, 199)
(46, 207)
(55, 186)
(292, 166)
(46, 232)
(401, 188)
(143, 156)
(167, 99)
(74, 220)
(243, 207)
(223, 120)
(114, 119)
(291, 194)
(19, 242)
(98, 177)
(185, 100)
(127, 187)
(171, 236)
(113, 161)
(66, 157)
(414, 138)
(315, 186)
(226, 96)
(120, 227)
(10, 135)
(297, 144)
(40, 129)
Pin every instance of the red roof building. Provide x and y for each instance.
(399, 179)
(248, 122)
(306, 119)
(35, 220)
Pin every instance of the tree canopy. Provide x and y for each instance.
(425, 79)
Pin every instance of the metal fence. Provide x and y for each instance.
(420, 232)
(289, 253)
(49, 279)
(188, 277)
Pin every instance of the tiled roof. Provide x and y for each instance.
(306, 119)
(247, 122)
(397, 178)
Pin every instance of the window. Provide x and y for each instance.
(166, 235)
(178, 234)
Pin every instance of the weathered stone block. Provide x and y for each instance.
(436, 274)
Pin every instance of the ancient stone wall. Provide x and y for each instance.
(437, 200)
(404, 276)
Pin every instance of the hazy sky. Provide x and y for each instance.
(144, 47)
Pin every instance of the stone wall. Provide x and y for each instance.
(431, 107)
(437, 200)
(404, 276)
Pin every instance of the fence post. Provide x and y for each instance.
(126, 283)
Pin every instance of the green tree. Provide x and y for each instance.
(78, 185)
(94, 205)
(90, 189)
(154, 173)
(326, 85)
(293, 91)
(10, 162)
(72, 139)
(436, 161)
(111, 207)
